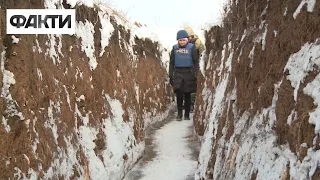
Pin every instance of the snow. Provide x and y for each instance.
(149, 118)
(39, 74)
(106, 30)
(313, 89)
(244, 35)
(292, 117)
(264, 12)
(174, 158)
(7, 163)
(156, 34)
(301, 63)
(119, 141)
(136, 87)
(117, 133)
(272, 114)
(229, 61)
(38, 46)
(51, 123)
(264, 35)
(108, 163)
(32, 174)
(275, 32)
(253, 147)
(50, 4)
(219, 163)
(82, 97)
(255, 151)
(310, 7)
(51, 50)
(203, 57)
(306, 168)
(240, 54)
(251, 55)
(129, 48)
(27, 158)
(165, 58)
(15, 40)
(67, 95)
(261, 38)
(35, 139)
(85, 31)
(18, 174)
(119, 138)
(285, 11)
(87, 135)
(11, 104)
(74, 2)
(304, 145)
(222, 59)
(5, 125)
(80, 73)
(65, 161)
(207, 140)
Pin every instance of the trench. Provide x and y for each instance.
(171, 151)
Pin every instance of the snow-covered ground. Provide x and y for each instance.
(253, 147)
(175, 154)
(119, 135)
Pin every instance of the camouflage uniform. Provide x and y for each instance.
(198, 43)
(200, 48)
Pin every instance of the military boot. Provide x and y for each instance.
(186, 117)
(179, 116)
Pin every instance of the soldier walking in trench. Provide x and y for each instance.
(194, 39)
(183, 69)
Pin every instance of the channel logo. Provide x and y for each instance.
(41, 21)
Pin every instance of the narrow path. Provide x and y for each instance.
(171, 152)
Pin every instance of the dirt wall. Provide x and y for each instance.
(74, 106)
(256, 109)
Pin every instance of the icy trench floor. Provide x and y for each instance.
(171, 152)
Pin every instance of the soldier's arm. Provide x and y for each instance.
(195, 58)
(199, 45)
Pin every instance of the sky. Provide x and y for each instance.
(169, 16)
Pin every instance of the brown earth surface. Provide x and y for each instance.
(267, 69)
(33, 96)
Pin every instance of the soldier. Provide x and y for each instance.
(194, 39)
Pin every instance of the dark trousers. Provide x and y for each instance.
(186, 97)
